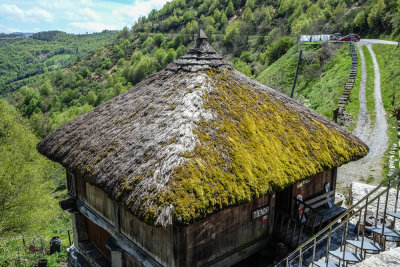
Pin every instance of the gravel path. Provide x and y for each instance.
(375, 136)
(376, 41)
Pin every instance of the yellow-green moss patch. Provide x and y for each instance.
(255, 145)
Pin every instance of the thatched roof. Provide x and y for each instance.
(196, 138)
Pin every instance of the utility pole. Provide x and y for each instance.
(295, 76)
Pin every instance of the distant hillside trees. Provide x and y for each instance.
(47, 35)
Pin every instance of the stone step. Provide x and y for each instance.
(394, 214)
(331, 263)
(386, 231)
(369, 246)
(349, 256)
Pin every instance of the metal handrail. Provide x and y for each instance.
(308, 206)
(348, 214)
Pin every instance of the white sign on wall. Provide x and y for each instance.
(261, 212)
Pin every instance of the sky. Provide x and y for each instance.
(72, 16)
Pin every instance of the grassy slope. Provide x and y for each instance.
(30, 195)
(280, 74)
(388, 57)
(319, 84)
(15, 253)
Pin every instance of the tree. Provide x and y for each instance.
(25, 202)
(250, 4)
(224, 19)
(46, 89)
(230, 10)
(158, 39)
(360, 20)
(236, 37)
(242, 66)
(210, 31)
(231, 33)
(279, 48)
(171, 55)
(123, 34)
(248, 15)
(181, 51)
(237, 3)
(375, 16)
(91, 98)
(160, 55)
(246, 57)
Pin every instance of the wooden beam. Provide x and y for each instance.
(69, 203)
(124, 242)
(316, 205)
(315, 199)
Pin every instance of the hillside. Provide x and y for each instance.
(22, 57)
(322, 74)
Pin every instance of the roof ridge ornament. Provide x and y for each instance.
(201, 54)
(201, 35)
(202, 45)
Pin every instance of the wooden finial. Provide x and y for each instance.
(202, 35)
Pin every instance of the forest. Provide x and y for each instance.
(52, 77)
(42, 52)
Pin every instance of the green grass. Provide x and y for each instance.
(320, 82)
(280, 74)
(388, 57)
(369, 90)
(57, 59)
(14, 249)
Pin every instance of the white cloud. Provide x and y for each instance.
(130, 13)
(91, 26)
(37, 14)
(74, 15)
(89, 13)
(11, 11)
(64, 4)
(4, 28)
(82, 14)
(30, 15)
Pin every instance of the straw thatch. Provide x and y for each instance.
(196, 138)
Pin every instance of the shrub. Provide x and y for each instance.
(278, 49)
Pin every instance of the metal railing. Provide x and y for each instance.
(343, 220)
(311, 211)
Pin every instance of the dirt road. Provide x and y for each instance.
(375, 136)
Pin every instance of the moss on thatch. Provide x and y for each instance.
(255, 144)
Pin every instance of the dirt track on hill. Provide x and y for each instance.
(375, 136)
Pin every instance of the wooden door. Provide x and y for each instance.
(284, 201)
(98, 237)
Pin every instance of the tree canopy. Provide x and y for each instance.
(25, 202)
